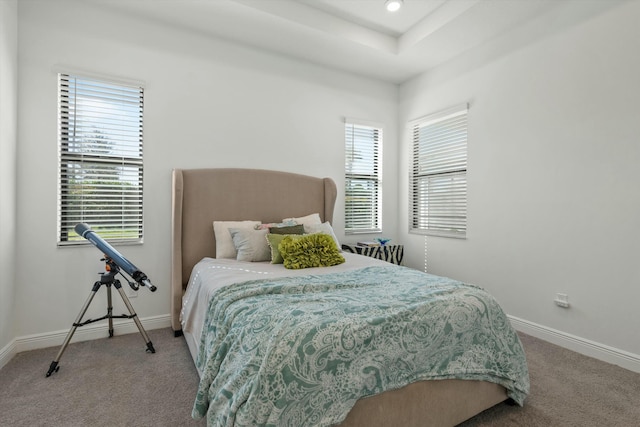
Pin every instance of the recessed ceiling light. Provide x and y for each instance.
(393, 5)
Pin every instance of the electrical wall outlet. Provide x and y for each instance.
(562, 300)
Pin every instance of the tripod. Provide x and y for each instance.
(106, 279)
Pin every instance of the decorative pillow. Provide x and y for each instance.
(251, 245)
(309, 250)
(274, 240)
(224, 243)
(274, 224)
(305, 220)
(322, 228)
(292, 229)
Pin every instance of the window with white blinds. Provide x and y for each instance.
(100, 159)
(439, 174)
(363, 174)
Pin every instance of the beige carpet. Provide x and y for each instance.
(569, 389)
(114, 382)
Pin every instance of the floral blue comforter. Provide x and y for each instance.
(301, 351)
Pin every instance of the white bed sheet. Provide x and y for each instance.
(211, 274)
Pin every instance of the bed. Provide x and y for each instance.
(202, 196)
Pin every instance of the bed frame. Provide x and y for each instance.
(201, 196)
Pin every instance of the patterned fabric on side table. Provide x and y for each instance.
(389, 253)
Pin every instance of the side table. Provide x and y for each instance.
(389, 253)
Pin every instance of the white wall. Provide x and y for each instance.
(553, 170)
(208, 103)
(553, 155)
(8, 145)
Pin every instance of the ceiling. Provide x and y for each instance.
(358, 36)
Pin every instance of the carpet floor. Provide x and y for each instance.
(114, 382)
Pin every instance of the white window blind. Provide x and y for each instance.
(100, 159)
(439, 174)
(363, 174)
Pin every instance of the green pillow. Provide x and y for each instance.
(309, 250)
(290, 229)
(274, 240)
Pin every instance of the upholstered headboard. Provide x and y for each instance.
(201, 196)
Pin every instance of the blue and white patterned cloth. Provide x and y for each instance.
(300, 351)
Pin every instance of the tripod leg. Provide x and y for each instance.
(110, 310)
(134, 316)
(54, 365)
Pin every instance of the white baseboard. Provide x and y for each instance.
(580, 345)
(7, 352)
(84, 333)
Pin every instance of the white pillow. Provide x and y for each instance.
(224, 243)
(251, 245)
(305, 220)
(323, 228)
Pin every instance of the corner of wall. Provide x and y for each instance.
(8, 148)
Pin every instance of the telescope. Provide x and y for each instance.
(85, 231)
(115, 263)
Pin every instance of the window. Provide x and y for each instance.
(363, 185)
(100, 159)
(439, 174)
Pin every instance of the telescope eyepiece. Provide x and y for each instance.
(147, 283)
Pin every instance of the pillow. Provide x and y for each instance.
(250, 244)
(305, 220)
(274, 224)
(291, 229)
(224, 243)
(309, 250)
(274, 240)
(322, 228)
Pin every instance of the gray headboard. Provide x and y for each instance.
(201, 196)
